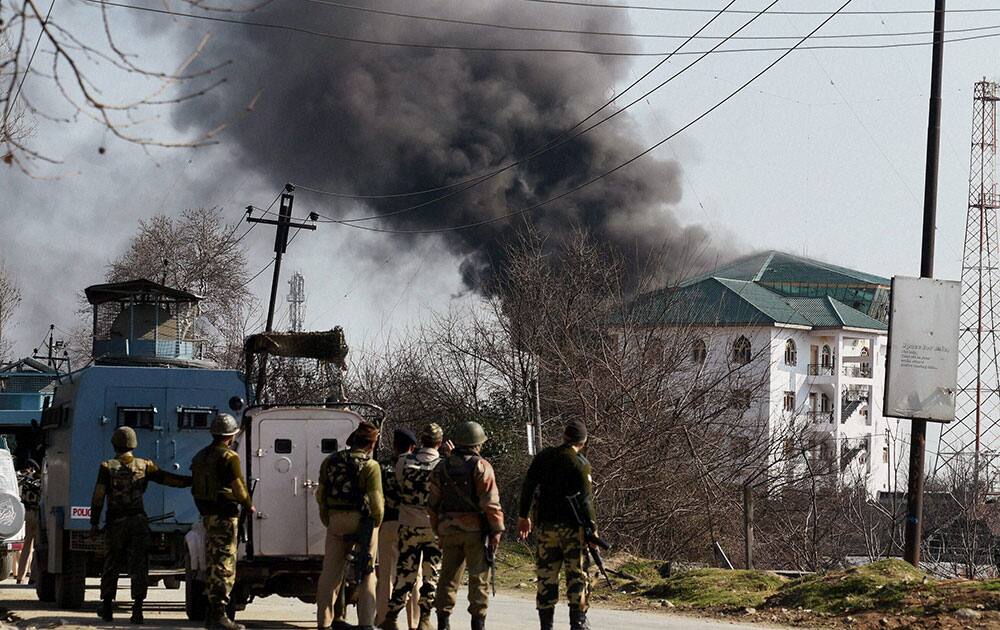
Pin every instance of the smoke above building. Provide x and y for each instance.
(377, 120)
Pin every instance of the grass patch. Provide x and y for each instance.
(717, 588)
(883, 584)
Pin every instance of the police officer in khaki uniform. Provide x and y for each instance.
(349, 495)
(122, 481)
(219, 492)
(464, 505)
(555, 474)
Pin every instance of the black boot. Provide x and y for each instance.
(578, 619)
(443, 620)
(546, 617)
(106, 610)
(217, 619)
(389, 623)
(479, 622)
(137, 617)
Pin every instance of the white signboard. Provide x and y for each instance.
(922, 365)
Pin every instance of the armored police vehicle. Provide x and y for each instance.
(282, 446)
(147, 373)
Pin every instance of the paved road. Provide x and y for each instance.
(165, 609)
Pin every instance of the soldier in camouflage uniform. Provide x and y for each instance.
(418, 547)
(349, 495)
(122, 481)
(219, 492)
(30, 487)
(555, 474)
(464, 506)
(403, 442)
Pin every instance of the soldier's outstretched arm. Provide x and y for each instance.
(164, 478)
(100, 491)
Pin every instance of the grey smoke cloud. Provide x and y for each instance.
(369, 120)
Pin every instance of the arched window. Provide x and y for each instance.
(826, 359)
(741, 351)
(698, 351)
(791, 353)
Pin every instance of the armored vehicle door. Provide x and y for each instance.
(289, 444)
(141, 408)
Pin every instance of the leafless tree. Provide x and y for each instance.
(81, 66)
(196, 252)
(10, 298)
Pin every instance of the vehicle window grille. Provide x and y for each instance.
(329, 445)
(137, 417)
(195, 418)
(282, 446)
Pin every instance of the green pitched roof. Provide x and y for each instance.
(721, 301)
(772, 267)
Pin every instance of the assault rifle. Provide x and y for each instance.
(577, 503)
(491, 554)
(363, 559)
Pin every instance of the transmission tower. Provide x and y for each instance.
(297, 302)
(969, 443)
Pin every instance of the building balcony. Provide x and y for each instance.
(857, 371)
(820, 369)
(820, 417)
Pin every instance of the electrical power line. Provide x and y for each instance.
(13, 100)
(604, 174)
(570, 31)
(638, 7)
(514, 49)
(566, 135)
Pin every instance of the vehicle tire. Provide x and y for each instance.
(71, 584)
(45, 583)
(195, 600)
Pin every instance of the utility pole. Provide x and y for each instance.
(282, 224)
(918, 430)
(53, 344)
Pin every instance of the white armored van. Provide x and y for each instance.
(281, 448)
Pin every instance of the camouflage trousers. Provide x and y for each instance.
(220, 558)
(562, 547)
(417, 549)
(458, 550)
(126, 540)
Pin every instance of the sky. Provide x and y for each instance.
(822, 156)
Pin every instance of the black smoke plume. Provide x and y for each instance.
(374, 119)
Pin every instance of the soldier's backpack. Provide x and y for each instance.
(416, 484)
(128, 484)
(342, 484)
(458, 487)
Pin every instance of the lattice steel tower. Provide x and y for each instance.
(970, 442)
(297, 302)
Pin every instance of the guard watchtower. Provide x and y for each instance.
(142, 321)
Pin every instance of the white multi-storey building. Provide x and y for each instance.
(819, 331)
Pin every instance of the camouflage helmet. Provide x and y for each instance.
(469, 434)
(225, 425)
(432, 434)
(124, 439)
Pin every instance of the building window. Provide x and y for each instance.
(698, 351)
(824, 404)
(885, 454)
(791, 354)
(741, 351)
(741, 399)
(789, 401)
(826, 359)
